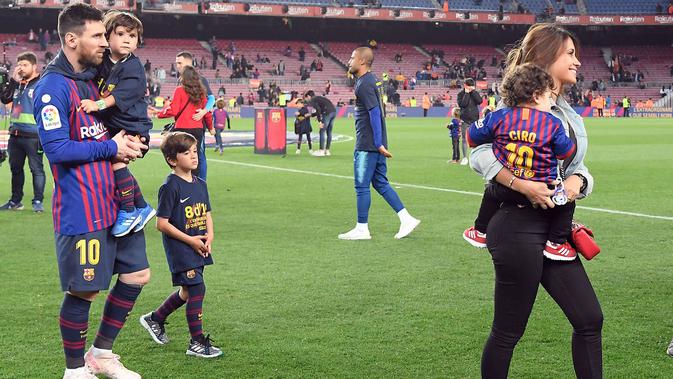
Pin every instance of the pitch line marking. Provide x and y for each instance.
(429, 188)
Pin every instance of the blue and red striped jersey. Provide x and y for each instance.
(526, 141)
(79, 149)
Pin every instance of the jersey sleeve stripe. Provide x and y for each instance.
(85, 200)
(97, 211)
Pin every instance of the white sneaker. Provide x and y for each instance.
(298, 152)
(463, 162)
(79, 373)
(356, 234)
(319, 153)
(407, 227)
(669, 351)
(109, 366)
(327, 153)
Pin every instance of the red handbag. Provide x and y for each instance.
(582, 239)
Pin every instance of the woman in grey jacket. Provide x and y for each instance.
(516, 234)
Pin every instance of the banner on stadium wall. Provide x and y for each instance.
(619, 112)
(174, 7)
(652, 112)
(445, 112)
(367, 13)
(615, 20)
(421, 15)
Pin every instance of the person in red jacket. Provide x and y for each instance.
(189, 97)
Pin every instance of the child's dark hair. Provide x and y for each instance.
(175, 143)
(523, 83)
(114, 18)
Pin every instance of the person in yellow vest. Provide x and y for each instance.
(232, 102)
(282, 100)
(626, 104)
(159, 102)
(491, 101)
(412, 102)
(426, 104)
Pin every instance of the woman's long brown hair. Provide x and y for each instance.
(541, 45)
(191, 83)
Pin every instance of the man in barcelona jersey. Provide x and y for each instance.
(84, 208)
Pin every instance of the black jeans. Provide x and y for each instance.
(516, 238)
(328, 125)
(19, 148)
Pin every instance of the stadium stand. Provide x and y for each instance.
(654, 63)
(570, 7)
(622, 7)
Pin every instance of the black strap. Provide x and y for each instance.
(181, 110)
(567, 161)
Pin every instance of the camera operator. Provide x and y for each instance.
(23, 139)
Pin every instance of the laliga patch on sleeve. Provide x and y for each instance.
(50, 118)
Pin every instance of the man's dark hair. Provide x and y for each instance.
(309, 93)
(74, 17)
(523, 83)
(175, 143)
(27, 56)
(186, 55)
(469, 82)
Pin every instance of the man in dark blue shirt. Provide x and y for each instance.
(325, 114)
(371, 149)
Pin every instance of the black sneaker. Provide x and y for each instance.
(156, 329)
(11, 206)
(203, 348)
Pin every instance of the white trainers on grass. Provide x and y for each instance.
(356, 234)
(109, 366)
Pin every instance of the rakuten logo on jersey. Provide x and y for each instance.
(97, 130)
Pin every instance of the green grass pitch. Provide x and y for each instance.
(286, 299)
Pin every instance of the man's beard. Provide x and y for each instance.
(89, 60)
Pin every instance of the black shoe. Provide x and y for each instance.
(201, 347)
(156, 329)
(11, 206)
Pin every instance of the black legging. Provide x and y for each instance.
(308, 139)
(516, 238)
(198, 134)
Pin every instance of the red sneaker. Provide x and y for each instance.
(582, 238)
(475, 237)
(559, 251)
